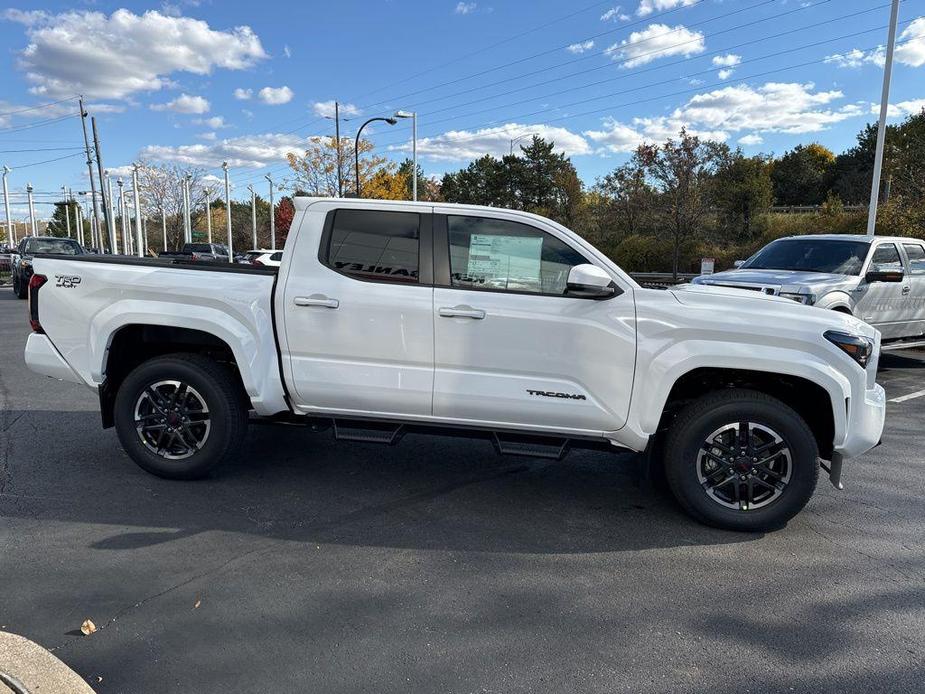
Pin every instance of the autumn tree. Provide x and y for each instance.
(803, 175)
(742, 190)
(681, 171)
(160, 188)
(316, 169)
(627, 197)
(285, 212)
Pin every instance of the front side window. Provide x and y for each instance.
(375, 245)
(886, 259)
(916, 254)
(497, 254)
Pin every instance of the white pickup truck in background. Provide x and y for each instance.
(389, 317)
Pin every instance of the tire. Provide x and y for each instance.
(216, 415)
(21, 290)
(707, 480)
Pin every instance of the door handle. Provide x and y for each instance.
(462, 312)
(907, 289)
(316, 300)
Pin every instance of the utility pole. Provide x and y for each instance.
(83, 123)
(10, 234)
(273, 211)
(228, 212)
(164, 224)
(107, 217)
(187, 225)
(208, 192)
(140, 247)
(340, 176)
(253, 216)
(80, 225)
(67, 211)
(126, 241)
(114, 239)
(31, 209)
(881, 126)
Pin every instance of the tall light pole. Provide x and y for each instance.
(83, 123)
(107, 206)
(164, 223)
(6, 203)
(273, 211)
(80, 224)
(208, 192)
(253, 216)
(414, 148)
(126, 241)
(113, 233)
(140, 245)
(31, 209)
(881, 127)
(228, 212)
(356, 146)
(187, 223)
(67, 211)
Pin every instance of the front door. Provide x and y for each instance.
(882, 303)
(511, 348)
(359, 314)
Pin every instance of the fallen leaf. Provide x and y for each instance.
(198, 603)
(88, 627)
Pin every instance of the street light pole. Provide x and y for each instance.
(113, 232)
(273, 211)
(95, 209)
(356, 146)
(253, 216)
(187, 224)
(67, 211)
(340, 175)
(126, 241)
(881, 127)
(164, 224)
(228, 212)
(140, 248)
(6, 204)
(31, 209)
(208, 192)
(414, 148)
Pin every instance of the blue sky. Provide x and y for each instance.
(200, 82)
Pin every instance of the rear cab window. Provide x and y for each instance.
(374, 245)
(915, 252)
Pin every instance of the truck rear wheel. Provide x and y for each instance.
(741, 460)
(179, 415)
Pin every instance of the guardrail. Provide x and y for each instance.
(661, 280)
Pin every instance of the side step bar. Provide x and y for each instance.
(368, 432)
(899, 344)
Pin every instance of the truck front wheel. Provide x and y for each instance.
(741, 460)
(179, 415)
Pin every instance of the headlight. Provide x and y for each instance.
(807, 299)
(858, 348)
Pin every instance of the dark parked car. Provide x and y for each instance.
(32, 246)
(198, 252)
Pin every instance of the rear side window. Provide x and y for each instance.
(375, 245)
(916, 255)
(277, 256)
(886, 259)
(497, 254)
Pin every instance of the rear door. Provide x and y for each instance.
(915, 299)
(883, 303)
(511, 349)
(358, 312)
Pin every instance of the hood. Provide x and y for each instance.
(781, 278)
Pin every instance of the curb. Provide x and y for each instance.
(27, 668)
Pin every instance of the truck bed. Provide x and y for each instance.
(179, 262)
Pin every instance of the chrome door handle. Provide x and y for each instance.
(462, 312)
(907, 289)
(316, 300)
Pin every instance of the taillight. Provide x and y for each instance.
(35, 283)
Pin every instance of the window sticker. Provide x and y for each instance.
(505, 262)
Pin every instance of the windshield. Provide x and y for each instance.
(811, 255)
(60, 246)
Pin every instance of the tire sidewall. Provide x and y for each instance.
(220, 417)
(681, 465)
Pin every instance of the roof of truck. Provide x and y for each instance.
(848, 237)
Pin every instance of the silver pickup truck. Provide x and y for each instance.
(880, 279)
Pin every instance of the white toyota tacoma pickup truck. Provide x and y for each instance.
(389, 317)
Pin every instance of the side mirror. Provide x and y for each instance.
(884, 276)
(589, 282)
(739, 263)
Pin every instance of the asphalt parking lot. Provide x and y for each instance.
(436, 566)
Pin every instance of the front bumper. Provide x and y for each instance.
(866, 415)
(43, 358)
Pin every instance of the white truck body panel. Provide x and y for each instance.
(349, 347)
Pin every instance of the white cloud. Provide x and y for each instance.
(910, 50)
(724, 74)
(900, 109)
(460, 145)
(752, 139)
(210, 136)
(613, 14)
(771, 108)
(325, 109)
(185, 103)
(274, 96)
(580, 47)
(647, 7)
(26, 17)
(728, 60)
(243, 94)
(287, 51)
(215, 122)
(121, 54)
(465, 7)
(657, 41)
(246, 151)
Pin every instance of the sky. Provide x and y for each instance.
(199, 82)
